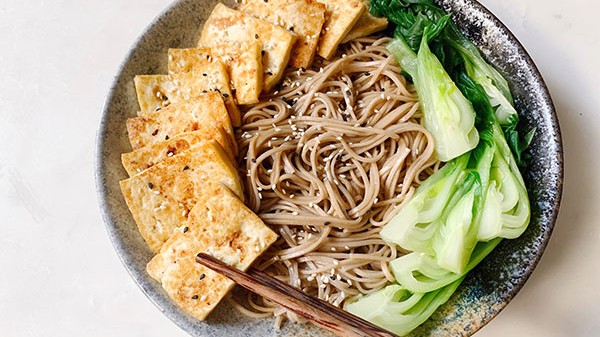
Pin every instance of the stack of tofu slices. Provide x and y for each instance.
(184, 190)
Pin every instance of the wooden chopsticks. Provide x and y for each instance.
(315, 310)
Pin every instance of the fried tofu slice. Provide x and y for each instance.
(219, 225)
(161, 197)
(242, 61)
(158, 91)
(229, 26)
(144, 158)
(205, 113)
(340, 17)
(366, 25)
(303, 17)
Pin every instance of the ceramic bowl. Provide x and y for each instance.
(485, 291)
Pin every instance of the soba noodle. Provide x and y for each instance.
(327, 159)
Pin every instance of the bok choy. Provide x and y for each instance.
(449, 116)
(478, 198)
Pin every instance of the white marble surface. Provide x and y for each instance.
(60, 275)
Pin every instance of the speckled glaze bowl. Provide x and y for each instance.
(485, 291)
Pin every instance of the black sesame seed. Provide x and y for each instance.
(348, 92)
(327, 223)
(202, 276)
(185, 229)
(195, 297)
(256, 36)
(367, 74)
(158, 109)
(291, 28)
(253, 160)
(186, 167)
(204, 91)
(150, 185)
(155, 132)
(165, 98)
(204, 74)
(225, 95)
(167, 137)
(332, 278)
(269, 73)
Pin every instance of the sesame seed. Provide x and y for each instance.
(256, 36)
(186, 229)
(195, 297)
(203, 298)
(202, 276)
(186, 167)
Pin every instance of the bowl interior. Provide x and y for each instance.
(485, 291)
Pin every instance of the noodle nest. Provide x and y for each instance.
(328, 158)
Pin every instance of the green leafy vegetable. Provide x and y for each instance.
(398, 309)
(478, 198)
(449, 116)
(417, 222)
(413, 18)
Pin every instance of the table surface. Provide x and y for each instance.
(60, 275)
